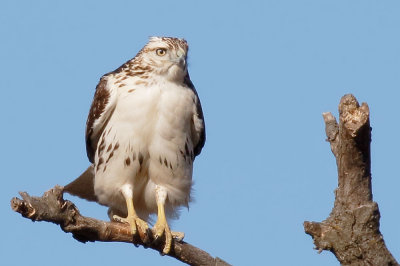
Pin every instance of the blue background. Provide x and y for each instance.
(264, 70)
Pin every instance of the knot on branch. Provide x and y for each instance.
(347, 232)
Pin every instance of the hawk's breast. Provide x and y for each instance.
(151, 128)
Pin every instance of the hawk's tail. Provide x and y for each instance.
(83, 186)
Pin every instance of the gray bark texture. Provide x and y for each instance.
(351, 232)
(51, 207)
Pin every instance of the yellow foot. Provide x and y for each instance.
(161, 229)
(135, 222)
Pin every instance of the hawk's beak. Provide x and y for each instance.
(181, 58)
(182, 61)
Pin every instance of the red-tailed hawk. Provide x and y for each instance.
(144, 130)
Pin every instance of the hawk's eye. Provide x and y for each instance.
(161, 51)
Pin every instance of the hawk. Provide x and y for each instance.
(145, 128)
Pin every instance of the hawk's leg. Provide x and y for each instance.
(161, 227)
(132, 219)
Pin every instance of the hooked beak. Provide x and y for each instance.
(181, 58)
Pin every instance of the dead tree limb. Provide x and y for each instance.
(351, 231)
(51, 207)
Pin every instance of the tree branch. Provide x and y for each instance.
(351, 231)
(51, 207)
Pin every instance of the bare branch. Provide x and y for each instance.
(51, 207)
(351, 231)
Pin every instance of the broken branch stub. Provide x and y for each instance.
(351, 231)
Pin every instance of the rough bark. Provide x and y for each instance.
(51, 207)
(351, 232)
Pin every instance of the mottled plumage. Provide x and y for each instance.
(144, 129)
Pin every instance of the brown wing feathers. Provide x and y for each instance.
(199, 145)
(100, 101)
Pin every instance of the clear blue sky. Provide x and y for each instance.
(264, 70)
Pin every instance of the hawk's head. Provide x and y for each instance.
(166, 56)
